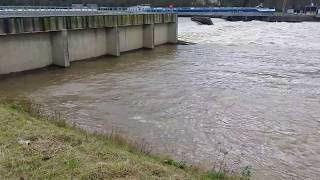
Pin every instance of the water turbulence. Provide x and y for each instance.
(248, 92)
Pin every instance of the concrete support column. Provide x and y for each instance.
(60, 51)
(46, 23)
(19, 22)
(113, 41)
(73, 22)
(173, 32)
(148, 36)
(12, 26)
(60, 24)
(2, 27)
(27, 25)
(95, 21)
(53, 24)
(90, 21)
(37, 25)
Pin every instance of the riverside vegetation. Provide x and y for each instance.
(34, 146)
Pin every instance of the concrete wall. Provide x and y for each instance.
(24, 52)
(130, 38)
(161, 34)
(148, 36)
(87, 43)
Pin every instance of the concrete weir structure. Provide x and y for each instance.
(28, 43)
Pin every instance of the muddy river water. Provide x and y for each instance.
(249, 91)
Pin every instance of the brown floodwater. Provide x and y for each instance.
(250, 90)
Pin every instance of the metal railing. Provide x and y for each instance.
(13, 11)
(26, 11)
(220, 14)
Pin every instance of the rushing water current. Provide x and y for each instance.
(247, 91)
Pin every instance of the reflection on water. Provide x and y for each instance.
(251, 89)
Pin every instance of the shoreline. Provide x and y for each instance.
(32, 146)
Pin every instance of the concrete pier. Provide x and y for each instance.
(60, 48)
(28, 43)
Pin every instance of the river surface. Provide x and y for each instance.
(247, 91)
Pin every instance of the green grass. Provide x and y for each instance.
(32, 147)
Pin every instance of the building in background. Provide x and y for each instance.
(208, 2)
(139, 8)
(311, 10)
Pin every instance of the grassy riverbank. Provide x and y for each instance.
(34, 148)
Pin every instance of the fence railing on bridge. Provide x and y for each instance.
(25, 11)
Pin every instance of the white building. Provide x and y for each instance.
(139, 8)
(208, 2)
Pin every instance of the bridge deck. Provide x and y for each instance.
(43, 11)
